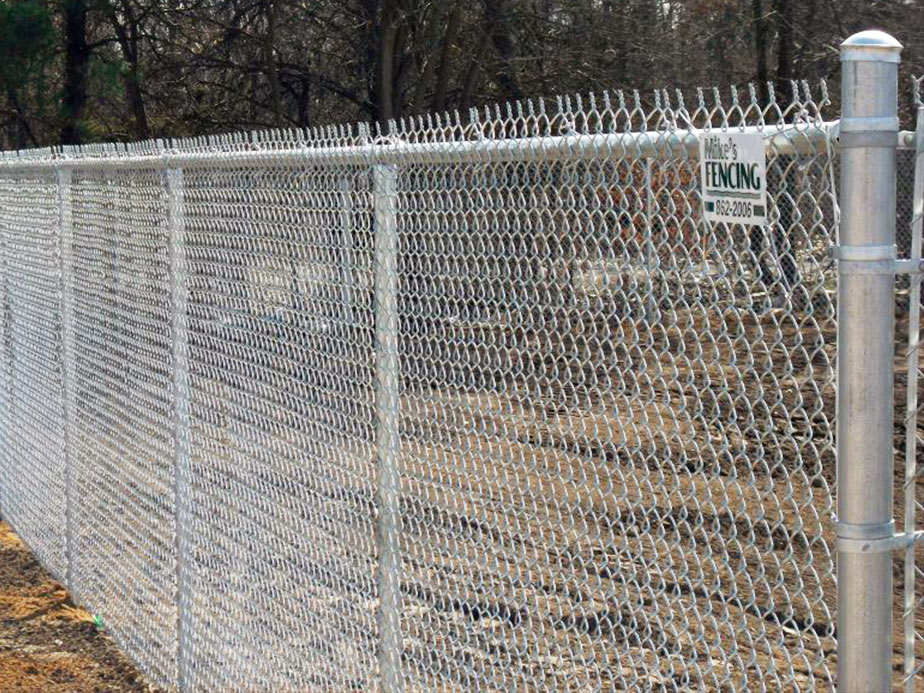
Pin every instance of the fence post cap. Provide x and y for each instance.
(871, 46)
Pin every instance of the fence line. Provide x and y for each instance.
(446, 406)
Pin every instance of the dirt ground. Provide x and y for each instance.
(46, 643)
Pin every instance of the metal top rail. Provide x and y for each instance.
(811, 137)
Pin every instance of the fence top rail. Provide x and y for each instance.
(811, 138)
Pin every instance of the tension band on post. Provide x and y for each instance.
(873, 259)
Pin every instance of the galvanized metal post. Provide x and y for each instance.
(865, 339)
(7, 464)
(911, 404)
(65, 250)
(388, 443)
(176, 226)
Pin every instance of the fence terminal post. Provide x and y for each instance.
(387, 403)
(869, 132)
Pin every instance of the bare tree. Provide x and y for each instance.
(125, 17)
(271, 11)
(760, 48)
(142, 68)
(784, 49)
(498, 17)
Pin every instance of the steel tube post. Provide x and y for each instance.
(176, 224)
(65, 250)
(387, 403)
(865, 339)
(9, 488)
(911, 404)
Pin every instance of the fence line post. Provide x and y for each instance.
(176, 223)
(6, 383)
(865, 339)
(65, 251)
(388, 443)
(911, 402)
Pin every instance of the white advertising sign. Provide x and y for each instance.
(733, 167)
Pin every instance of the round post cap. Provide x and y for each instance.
(871, 46)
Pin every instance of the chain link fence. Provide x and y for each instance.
(446, 405)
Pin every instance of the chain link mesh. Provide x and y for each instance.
(654, 394)
(454, 404)
(32, 470)
(124, 562)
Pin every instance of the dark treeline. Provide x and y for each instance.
(84, 70)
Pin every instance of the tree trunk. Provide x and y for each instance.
(128, 38)
(129, 41)
(400, 66)
(471, 75)
(385, 61)
(24, 135)
(135, 100)
(442, 76)
(784, 52)
(497, 17)
(427, 57)
(760, 46)
(304, 100)
(269, 62)
(76, 60)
